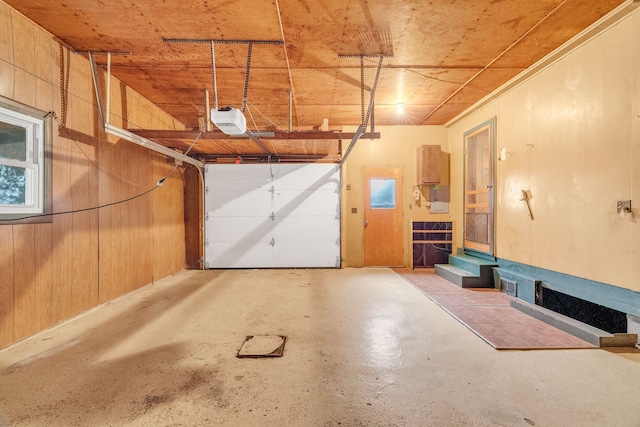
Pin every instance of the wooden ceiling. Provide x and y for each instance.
(441, 56)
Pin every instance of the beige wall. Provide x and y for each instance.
(572, 137)
(54, 270)
(396, 148)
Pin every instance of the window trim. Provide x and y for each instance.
(39, 161)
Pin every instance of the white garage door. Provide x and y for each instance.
(272, 216)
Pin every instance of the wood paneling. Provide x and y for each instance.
(51, 271)
(23, 43)
(168, 211)
(434, 50)
(6, 285)
(7, 82)
(144, 259)
(25, 296)
(6, 36)
(84, 277)
(105, 244)
(193, 205)
(44, 276)
(62, 225)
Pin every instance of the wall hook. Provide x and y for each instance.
(526, 196)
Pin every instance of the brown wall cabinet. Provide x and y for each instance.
(429, 167)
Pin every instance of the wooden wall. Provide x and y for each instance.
(193, 218)
(52, 271)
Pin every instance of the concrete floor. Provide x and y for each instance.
(364, 348)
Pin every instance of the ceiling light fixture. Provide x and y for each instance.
(400, 108)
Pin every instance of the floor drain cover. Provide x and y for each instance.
(262, 346)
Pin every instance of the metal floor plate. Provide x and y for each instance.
(262, 346)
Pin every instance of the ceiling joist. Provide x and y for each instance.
(275, 135)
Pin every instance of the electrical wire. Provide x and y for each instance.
(144, 193)
(93, 159)
(262, 114)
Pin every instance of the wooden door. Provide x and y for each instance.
(478, 188)
(383, 234)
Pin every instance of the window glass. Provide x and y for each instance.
(383, 193)
(13, 185)
(13, 142)
(22, 184)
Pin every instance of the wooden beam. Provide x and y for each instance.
(300, 135)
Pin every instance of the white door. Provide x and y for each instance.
(272, 216)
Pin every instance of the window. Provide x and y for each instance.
(22, 162)
(383, 193)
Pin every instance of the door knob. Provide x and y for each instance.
(366, 222)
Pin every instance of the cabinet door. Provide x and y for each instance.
(429, 167)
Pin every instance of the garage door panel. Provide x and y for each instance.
(308, 177)
(237, 177)
(241, 255)
(224, 184)
(307, 254)
(239, 229)
(306, 203)
(236, 203)
(306, 229)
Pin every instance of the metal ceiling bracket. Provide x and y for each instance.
(144, 142)
(102, 52)
(246, 78)
(290, 111)
(96, 86)
(104, 117)
(65, 67)
(211, 43)
(363, 126)
(360, 55)
(255, 138)
(122, 133)
(213, 75)
(223, 41)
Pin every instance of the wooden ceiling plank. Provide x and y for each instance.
(447, 55)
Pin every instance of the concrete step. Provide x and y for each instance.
(460, 277)
(588, 333)
(479, 272)
(472, 264)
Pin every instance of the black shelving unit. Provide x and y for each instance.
(432, 243)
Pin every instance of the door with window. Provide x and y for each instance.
(478, 188)
(383, 233)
